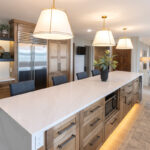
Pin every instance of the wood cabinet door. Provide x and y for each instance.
(124, 59)
(58, 59)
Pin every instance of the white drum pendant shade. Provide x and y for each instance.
(124, 43)
(104, 38)
(53, 24)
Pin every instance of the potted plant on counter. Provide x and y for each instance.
(104, 63)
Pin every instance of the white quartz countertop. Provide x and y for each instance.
(40, 110)
(6, 79)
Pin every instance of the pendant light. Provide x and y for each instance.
(53, 24)
(124, 43)
(104, 37)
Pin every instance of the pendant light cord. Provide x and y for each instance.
(125, 32)
(104, 22)
(53, 4)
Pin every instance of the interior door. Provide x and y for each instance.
(124, 59)
(58, 59)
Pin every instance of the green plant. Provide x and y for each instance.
(4, 27)
(107, 60)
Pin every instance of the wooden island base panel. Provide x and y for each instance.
(73, 116)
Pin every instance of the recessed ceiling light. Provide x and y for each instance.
(89, 30)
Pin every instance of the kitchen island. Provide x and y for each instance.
(55, 118)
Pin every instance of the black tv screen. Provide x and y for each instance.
(81, 50)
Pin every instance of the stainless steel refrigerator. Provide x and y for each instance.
(32, 59)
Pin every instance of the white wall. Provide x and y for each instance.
(81, 42)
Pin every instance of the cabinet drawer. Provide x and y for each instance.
(122, 92)
(65, 127)
(60, 136)
(128, 99)
(136, 98)
(136, 80)
(136, 87)
(128, 107)
(95, 142)
(129, 89)
(111, 124)
(68, 143)
(89, 126)
(93, 109)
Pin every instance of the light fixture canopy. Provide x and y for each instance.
(104, 37)
(53, 24)
(124, 43)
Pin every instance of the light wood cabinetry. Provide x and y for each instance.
(88, 129)
(4, 89)
(64, 136)
(58, 59)
(136, 91)
(129, 95)
(16, 28)
(126, 99)
(92, 126)
(111, 124)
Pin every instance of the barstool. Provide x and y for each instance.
(95, 72)
(81, 75)
(57, 80)
(22, 87)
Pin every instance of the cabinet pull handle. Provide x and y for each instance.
(92, 143)
(97, 120)
(93, 110)
(112, 123)
(66, 128)
(65, 142)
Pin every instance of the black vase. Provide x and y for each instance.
(104, 74)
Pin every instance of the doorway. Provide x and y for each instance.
(83, 60)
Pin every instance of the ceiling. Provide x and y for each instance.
(86, 14)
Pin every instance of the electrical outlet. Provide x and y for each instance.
(10, 69)
(39, 140)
